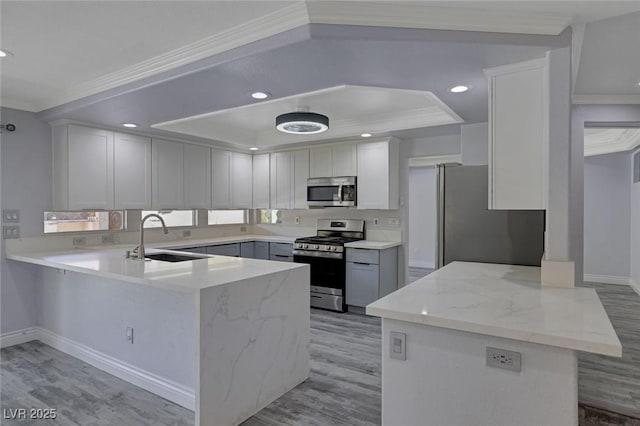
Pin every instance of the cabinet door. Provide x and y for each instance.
(518, 136)
(220, 179)
(241, 177)
(197, 177)
(320, 162)
(261, 177)
(281, 180)
(300, 163)
(261, 250)
(362, 283)
(344, 160)
(247, 250)
(132, 171)
(90, 168)
(168, 174)
(373, 176)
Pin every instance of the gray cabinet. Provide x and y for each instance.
(247, 249)
(201, 250)
(261, 250)
(225, 250)
(282, 252)
(370, 275)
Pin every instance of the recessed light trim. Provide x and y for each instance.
(260, 95)
(461, 88)
(366, 135)
(129, 125)
(254, 148)
(302, 123)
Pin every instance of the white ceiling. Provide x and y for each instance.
(68, 50)
(608, 140)
(352, 110)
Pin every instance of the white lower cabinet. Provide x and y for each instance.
(132, 171)
(168, 175)
(370, 275)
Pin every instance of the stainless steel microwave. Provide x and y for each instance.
(331, 191)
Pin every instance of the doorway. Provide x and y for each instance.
(423, 230)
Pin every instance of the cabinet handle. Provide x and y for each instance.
(281, 255)
(360, 263)
(316, 297)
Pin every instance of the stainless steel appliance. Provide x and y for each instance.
(326, 255)
(331, 191)
(468, 231)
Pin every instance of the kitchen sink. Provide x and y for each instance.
(171, 257)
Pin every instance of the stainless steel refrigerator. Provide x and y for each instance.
(469, 231)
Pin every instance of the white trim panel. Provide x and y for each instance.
(607, 279)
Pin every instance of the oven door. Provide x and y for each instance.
(327, 280)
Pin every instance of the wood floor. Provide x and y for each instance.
(343, 388)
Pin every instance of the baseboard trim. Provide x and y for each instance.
(153, 383)
(19, 336)
(634, 285)
(607, 279)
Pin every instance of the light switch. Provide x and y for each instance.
(10, 232)
(398, 346)
(11, 216)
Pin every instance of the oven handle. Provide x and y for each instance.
(321, 254)
(340, 193)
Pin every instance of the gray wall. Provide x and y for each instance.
(26, 185)
(607, 189)
(635, 231)
(474, 144)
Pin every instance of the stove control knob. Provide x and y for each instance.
(333, 248)
(305, 246)
(316, 247)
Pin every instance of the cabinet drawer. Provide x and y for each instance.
(225, 250)
(281, 249)
(362, 284)
(363, 256)
(281, 257)
(261, 250)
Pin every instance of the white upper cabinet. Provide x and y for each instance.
(344, 160)
(132, 171)
(378, 175)
(197, 177)
(241, 180)
(336, 160)
(261, 177)
(300, 174)
(518, 135)
(168, 174)
(281, 180)
(82, 168)
(220, 179)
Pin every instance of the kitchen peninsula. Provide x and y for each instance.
(455, 325)
(224, 335)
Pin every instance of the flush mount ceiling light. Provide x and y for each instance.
(302, 122)
(459, 89)
(130, 125)
(366, 135)
(260, 95)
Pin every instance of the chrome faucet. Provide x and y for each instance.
(141, 253)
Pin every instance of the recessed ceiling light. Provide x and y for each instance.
(366, 135)
(301, 122)
(5, 53)
(260, 95)
(129, 125)
(253, 148)
(459, 89)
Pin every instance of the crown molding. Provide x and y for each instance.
(606, 99)
(391, 14)
(265, 26)
(605, 142)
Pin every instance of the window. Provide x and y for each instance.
(226, 217)
(171, 218)
(82, 221)
(269, 216)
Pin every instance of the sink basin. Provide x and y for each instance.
(171, 257)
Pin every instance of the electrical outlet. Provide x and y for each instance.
(243, 229)
(186, 233)
(398, 346)
(130, 335)
(393, 221)
(79, 241)
(376, 221)
(11, 216)
(297, 220)
(107, 239)
(502, 358)
(11, 232)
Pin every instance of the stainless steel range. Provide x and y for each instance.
(326, 255)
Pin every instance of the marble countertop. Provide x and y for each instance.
(504, 301)
(208, 271)
(373, 245)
